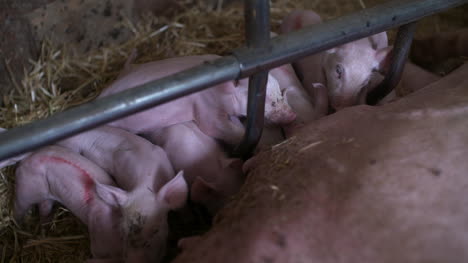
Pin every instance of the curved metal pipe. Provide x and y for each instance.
(257, 28)
(397, 64)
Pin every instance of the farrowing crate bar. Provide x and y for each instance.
(257, 35)
(244, 62)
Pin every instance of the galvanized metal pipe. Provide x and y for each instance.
(282, 49)
(257, 32)
(103, 110)
(319, 37)
(398, 60)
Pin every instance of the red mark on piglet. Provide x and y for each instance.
(86, 179)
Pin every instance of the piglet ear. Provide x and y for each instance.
(382, 58)
(273, 84)
(331, 50)
(379, 40)
(175, 192)
(111, 195)
(13, 160)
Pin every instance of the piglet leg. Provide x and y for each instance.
(320, 98)
(45, 209)
(25, 198)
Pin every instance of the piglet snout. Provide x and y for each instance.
(283, 115)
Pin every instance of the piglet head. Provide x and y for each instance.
(349, 69)
(144, 217)
(277, 110)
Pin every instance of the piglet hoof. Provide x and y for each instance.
(18, 216)
(45, 209)
(187, 242)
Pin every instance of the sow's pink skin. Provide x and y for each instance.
(212, 175)
(346, 70)
(212, 109)
(149, 188)
(57, 174)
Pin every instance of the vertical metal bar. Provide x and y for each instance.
(257, 32)
(397, 64)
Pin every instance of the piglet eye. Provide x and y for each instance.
(339, 71)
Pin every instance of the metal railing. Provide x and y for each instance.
(257, 32)
(243, 62)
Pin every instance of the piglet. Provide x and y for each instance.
(307, 106)
(57, 174)
(314, 199)
(149, 188)
(345, 70)
(212, 109)
(212, 175)
(147, 178)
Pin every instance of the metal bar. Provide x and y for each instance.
(397, 64)
(103, 110)
(282, 49)
(315, 38)
(257, 32)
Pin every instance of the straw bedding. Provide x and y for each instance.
(60, 79)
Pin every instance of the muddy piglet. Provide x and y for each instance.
(212, 109)
(57, 174)
(348, 70)
(212, 175)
